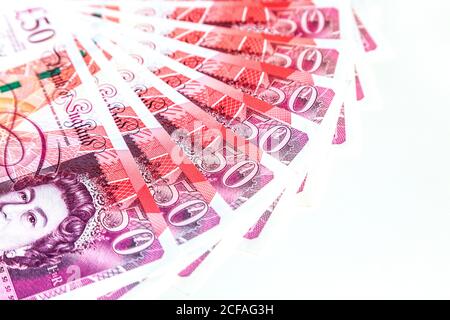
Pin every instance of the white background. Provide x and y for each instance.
(382, 229)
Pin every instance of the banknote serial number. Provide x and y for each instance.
(230, 309)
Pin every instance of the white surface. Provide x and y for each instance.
(383, 229)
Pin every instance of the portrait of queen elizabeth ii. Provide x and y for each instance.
(41, 218)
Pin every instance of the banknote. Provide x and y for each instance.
(184, 196)
(252, 232)
(100, 222)
(146, 141)
(323, 19)
(251, 77)
(368, 41)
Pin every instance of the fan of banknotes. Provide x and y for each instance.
(144, 141)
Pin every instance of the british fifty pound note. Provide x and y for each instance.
(74, 210)
(230, 175)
